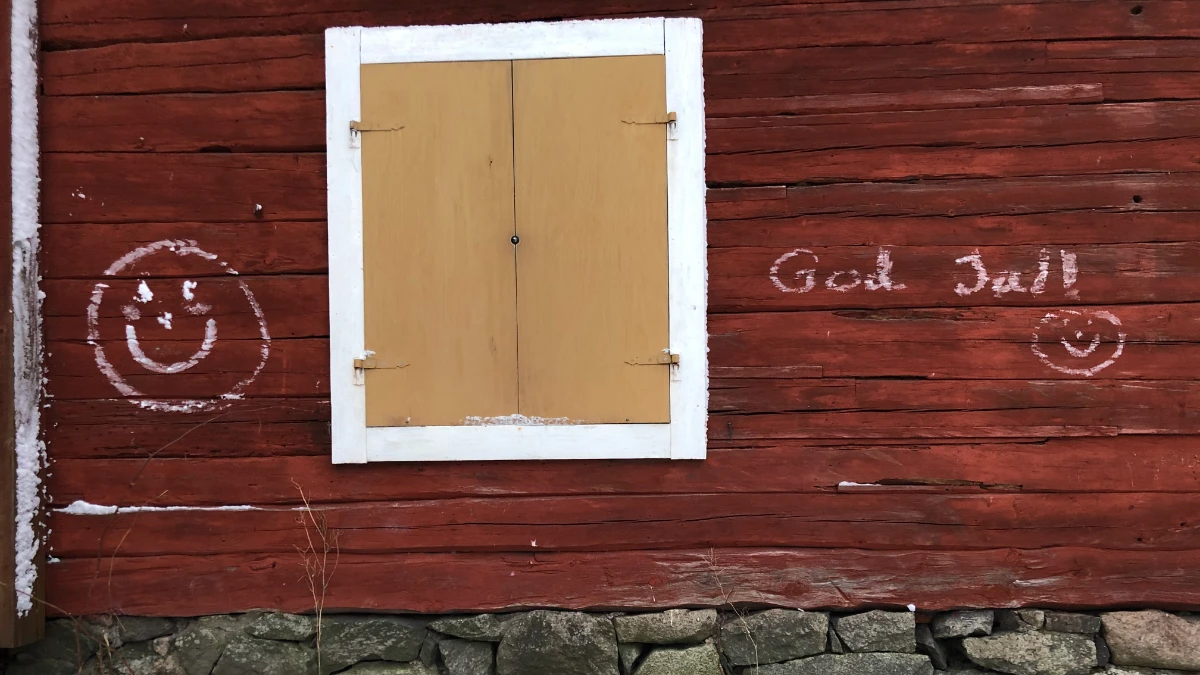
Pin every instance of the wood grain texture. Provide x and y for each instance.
(925, 128)
(932, 580)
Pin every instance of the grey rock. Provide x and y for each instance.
(64, 648)
(1103, 655)
(878, 631)
(385, 668)
(467, 657)
(484, 627)
(699, 660)
(673, 626)
(279, 626)
(963, 623)
(346, 640)
(1071, 622)
(927, 645)
(1152, 639)
(142, 628)
(200, 645)
(1134, 670)
(245, 655)
(1020, 620)
(1033, 653)
(628, 654)
(542, 642)
(850, 664)
(429, 649)
(835, 643)
(143, 658)
(773, 636)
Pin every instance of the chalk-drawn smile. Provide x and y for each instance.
(132, 313)
(1069, 327)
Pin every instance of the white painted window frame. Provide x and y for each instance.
(346, 49)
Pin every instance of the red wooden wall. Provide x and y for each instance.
(1033, 132)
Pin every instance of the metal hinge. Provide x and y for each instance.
(357, 129)
(664, 359)
(376, 364)
(671, 118)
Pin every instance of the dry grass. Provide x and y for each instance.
(320, 543)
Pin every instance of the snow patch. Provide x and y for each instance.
(850, 483)
(80, 507)
(514, 420)
(144, 293)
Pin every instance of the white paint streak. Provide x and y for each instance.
(131, 312)
(1039, 282)
(26, 301)
(832, 284)
(981, 275)
(1061, 322)
(135, 349)
(1008, 282)
(1070, 265)
(883, 273)
(808, 274)
(144, 294)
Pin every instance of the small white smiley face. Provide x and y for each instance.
(1079, 341)
(169, 326)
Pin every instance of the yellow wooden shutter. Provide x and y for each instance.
(437, 218)
(591, 205)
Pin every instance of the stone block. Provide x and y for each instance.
(152, 657)
(628, 654)
(850, 664)
(1020, 620)
(200, 645)
(468, 657)
(699, 660)
(245, 655)
(481, 627)
(542, 642)
(346, 640)
(1033, 653)
(388, 668)
(773, 636)
(927, 645)
(1133, 670)
(1071, 622)
(963, 623)
(1152, 639)
(279, 626)
(878, 631)
(674, 626)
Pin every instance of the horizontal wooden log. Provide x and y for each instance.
(1122, 464)
(257, 122)
(975, 197)
(233, 64)
(825, 408)
(994, 343)
(811, 578)
(258, 427)
(120, 187)
(965, 128)
(291, 306)
(758, 279)
(1136, 521)
(873, 61)
(86, 250)
(293, 368)
(1062, 229)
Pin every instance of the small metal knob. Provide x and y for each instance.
(515, 240)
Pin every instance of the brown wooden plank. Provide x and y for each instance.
(1062, 229)
(1123, 464)
(879, 521)
(17, 628)
(119, 187)
(258, 122)
(267, 63)
(292, 306)
(289, 370)
(985, 343)
(813, 578)
(85, 250)
(760, 279)
(257, 427)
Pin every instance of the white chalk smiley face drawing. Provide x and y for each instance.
(168, 326)
(1079, 341)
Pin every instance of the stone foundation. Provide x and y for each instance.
(674, 642)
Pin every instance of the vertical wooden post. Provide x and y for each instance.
(16, 627)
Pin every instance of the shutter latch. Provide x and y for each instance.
(664, 359)
(357, 129)
(671, 118)
(372, 363)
